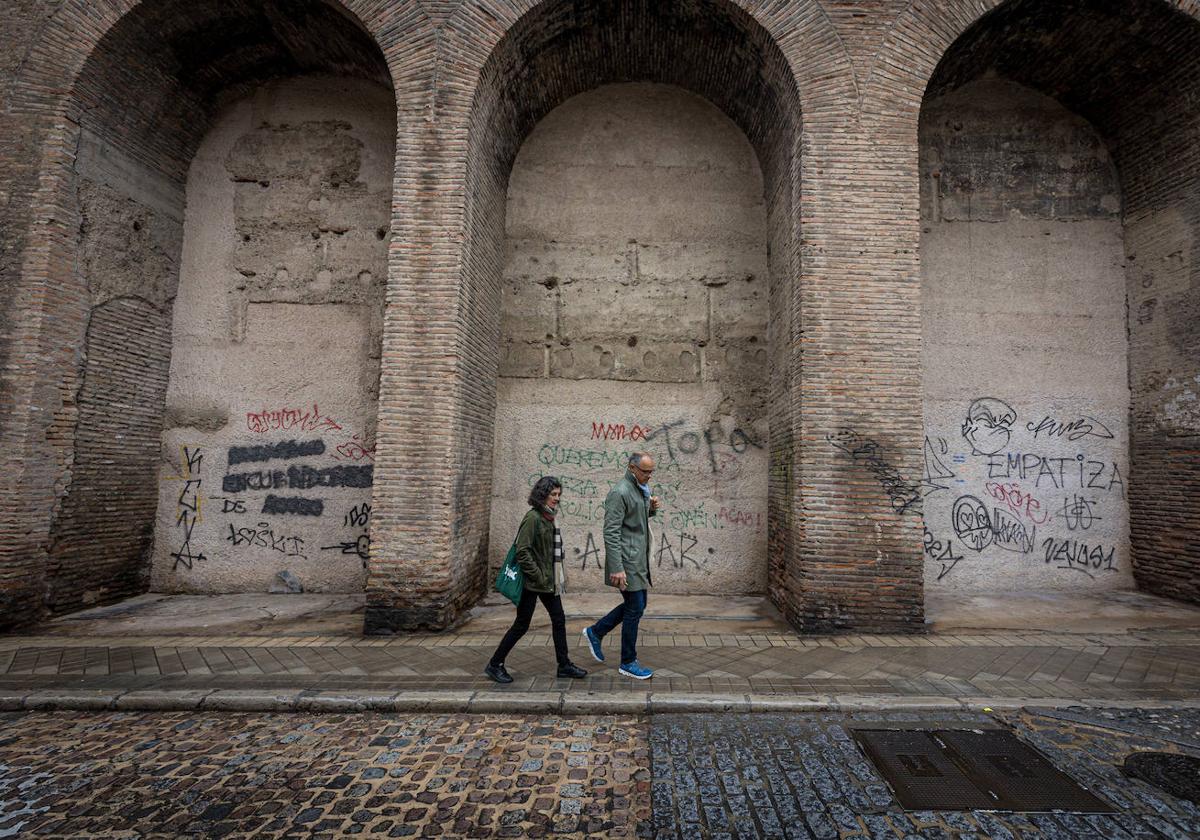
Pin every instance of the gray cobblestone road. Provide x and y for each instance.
(803, 776)
(667, 776)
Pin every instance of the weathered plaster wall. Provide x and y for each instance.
(634, 316)
(1026, 467)
(269, 438)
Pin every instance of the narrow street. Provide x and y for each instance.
(179, 774)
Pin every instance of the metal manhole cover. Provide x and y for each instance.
(1178, 775)
(963, 770)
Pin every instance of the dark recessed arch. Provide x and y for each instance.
(142, 101)
(1131, 70)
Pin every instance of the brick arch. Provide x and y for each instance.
(921, 36)
(120, 71)
(507, 64)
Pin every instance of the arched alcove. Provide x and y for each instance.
(634, 317)
(143, 102)
(556, 51)
(1060, 207)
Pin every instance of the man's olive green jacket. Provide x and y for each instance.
(627, 535)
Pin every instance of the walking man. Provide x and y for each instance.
(627, 512)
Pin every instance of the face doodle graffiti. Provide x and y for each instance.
(988, 426)
(972, 523)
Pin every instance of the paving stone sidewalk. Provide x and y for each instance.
(738, 671)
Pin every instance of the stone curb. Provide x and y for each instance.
(498, 701)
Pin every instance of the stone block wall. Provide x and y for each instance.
(634, 317)
(269, 436)
(128, 89)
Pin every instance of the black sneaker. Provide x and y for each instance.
(497, 673)
(571, 670)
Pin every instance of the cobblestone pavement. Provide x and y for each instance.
(237, 775)
(666, 776)
(793, 776)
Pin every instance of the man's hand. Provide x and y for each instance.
(618, 580)
(653, 503)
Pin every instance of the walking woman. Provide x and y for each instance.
(539, 553)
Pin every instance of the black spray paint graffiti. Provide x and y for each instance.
(263, 536)
(358, 516)
(188, 506)
(1079, 557)
(905, 496)
(942, 552)
(1080, 471)
(688, 443)
(1011, 534)
(977, 528)
(360, 546)
(299, 478)
(672, 554)
(285, 450)
(936, 473)
(1076, 429)
(687, 545)
(591, 553)
(293, 504)
(230, 505)
(1078, 512)
(988, 426)
(972, 523)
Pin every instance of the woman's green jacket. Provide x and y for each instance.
(535, 551)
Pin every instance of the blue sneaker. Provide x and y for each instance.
(636, 670)
(593, 644)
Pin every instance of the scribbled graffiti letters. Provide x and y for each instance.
(188, 507)
(904, 495)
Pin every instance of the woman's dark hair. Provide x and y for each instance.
(541, 491)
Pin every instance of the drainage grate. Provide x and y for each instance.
(964, 770)
(1178, 775)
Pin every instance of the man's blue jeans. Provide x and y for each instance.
(627, 614)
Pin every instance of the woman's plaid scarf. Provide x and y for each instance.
(560, 568)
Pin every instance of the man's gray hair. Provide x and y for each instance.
(635, 458)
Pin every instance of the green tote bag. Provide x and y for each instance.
(510, 582)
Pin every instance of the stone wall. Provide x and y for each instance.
(268, 447)
(1026, 467)
(634, 316)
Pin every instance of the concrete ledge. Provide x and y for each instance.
(157, 700)
(666, 703)
(249, 700)
(873, 703)
(432, 701)
(594, 703)
(346, 700)
(529, 702)
(12, 701)
(499, 701)
(78, 699)
(790, 703)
